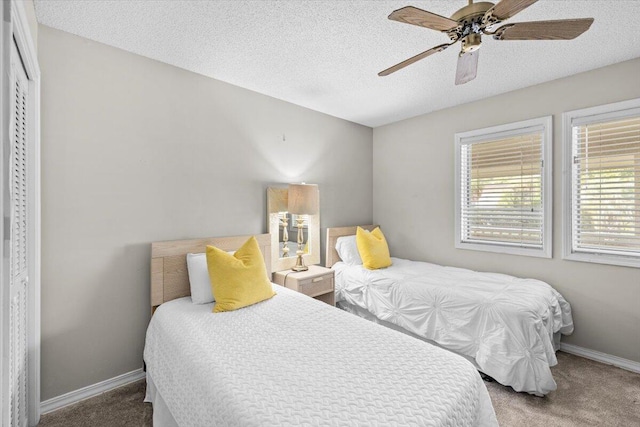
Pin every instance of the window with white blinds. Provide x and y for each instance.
(502, 195)
(602, 221)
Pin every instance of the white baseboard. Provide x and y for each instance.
(90, 391)
(598, 356)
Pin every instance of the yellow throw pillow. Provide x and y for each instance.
(240, 279)
(373, 248)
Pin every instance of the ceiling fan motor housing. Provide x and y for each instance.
(471, 12)
(470, 28)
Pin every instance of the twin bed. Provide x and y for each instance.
(508, 327)
(292, 360)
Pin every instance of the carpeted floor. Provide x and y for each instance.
(589, 394)
(121, 407)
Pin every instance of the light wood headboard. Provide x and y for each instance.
(332, 235)
(169, 276)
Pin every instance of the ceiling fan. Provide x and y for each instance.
(468, 24)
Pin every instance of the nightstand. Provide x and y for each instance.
(316, 282)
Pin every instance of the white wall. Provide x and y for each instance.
(31, 19)
(136, 151)
(413, 189)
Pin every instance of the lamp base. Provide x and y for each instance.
(299, 263)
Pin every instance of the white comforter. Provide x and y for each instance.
(293, 361)
(504, 323)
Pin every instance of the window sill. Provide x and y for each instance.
(510, 250)
(621, 261)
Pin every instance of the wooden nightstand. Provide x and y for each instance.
(317, 282)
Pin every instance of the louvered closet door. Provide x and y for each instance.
(18, 244)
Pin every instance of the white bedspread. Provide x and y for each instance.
(294, 361)
(504, 323)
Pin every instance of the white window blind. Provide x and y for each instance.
(605, 184)
(501, 189)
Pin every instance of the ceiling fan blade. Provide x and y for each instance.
(422, 18)
(563, 29)
(508, 8)
(467, 67)
(413, 59)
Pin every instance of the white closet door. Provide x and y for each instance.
(18, 310)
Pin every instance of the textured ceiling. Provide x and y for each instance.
(325, 55)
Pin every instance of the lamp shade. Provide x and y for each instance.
(303, 199)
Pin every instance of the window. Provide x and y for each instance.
(503, 188)
(602, 184)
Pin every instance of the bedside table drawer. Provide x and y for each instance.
(316, 282)
(316, 285)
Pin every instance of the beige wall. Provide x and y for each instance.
(413, 187)
(135, 151)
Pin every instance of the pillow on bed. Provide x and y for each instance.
(347, 249)
(373, 248)
(238, 280)
(199, 280)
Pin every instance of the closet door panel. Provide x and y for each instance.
(18, 251)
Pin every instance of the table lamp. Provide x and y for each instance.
(303, 200)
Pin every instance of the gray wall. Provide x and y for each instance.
(135, 151)
(413, 187)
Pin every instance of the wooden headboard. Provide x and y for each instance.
(332, 235)
(169, 276)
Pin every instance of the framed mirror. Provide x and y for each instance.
(283, 227)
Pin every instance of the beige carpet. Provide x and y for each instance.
(121, 407)
(589, 394)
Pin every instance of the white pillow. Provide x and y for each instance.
(199, 280)
(348, 250)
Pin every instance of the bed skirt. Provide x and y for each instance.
(161, 415)
(366, 314)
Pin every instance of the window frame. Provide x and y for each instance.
(600, 113)
(505, 131)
